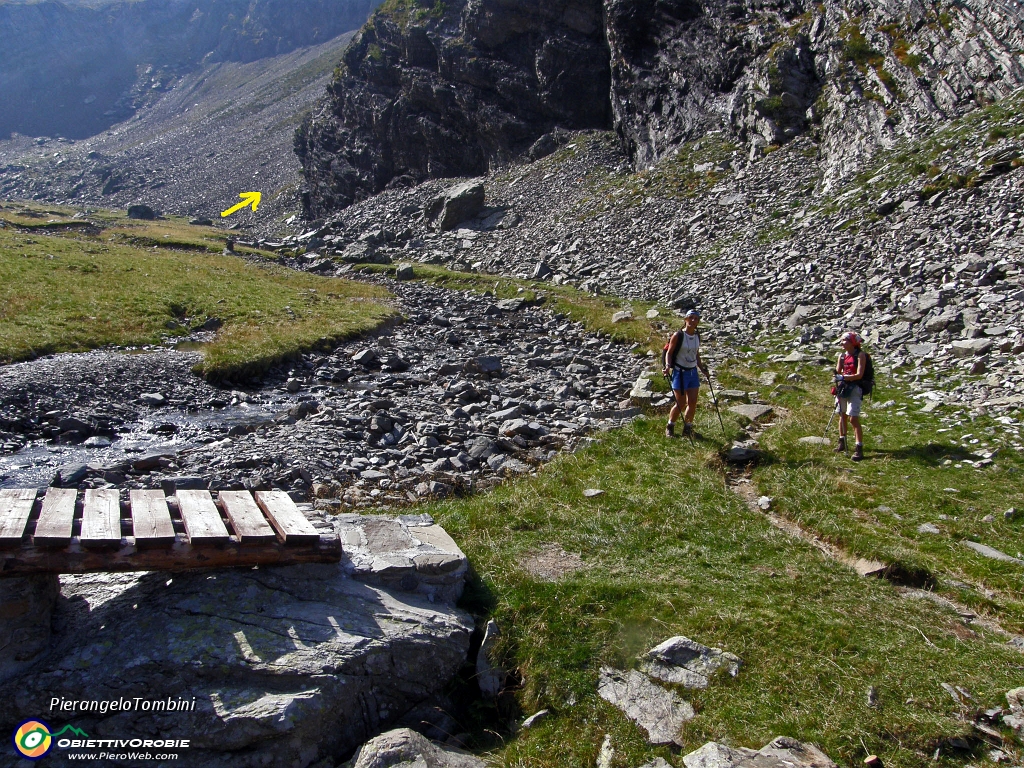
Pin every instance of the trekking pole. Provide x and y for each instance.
(828, 426)
(714, 399)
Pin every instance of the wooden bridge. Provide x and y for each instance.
(60, 533)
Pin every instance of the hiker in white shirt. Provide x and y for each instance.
(683, 362)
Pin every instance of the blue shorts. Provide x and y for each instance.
(685, 378)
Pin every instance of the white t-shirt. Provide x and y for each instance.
(686, 355)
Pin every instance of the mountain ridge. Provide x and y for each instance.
(74, 70)
(856, 76)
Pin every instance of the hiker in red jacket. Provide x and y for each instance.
(850, 369)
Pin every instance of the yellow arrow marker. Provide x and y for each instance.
(248, 198)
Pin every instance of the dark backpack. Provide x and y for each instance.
(867, 383)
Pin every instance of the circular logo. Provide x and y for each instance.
(32, 739)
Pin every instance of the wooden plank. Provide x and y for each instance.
(53, 528)
(202, 520)
(179, 556)
(246, 517)
(101, 518)
(151, 520)
(15, 509)
(291, 525)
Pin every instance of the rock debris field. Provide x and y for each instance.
(468, 390)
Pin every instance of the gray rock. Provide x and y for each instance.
(152, 461)
(171, 485)
(814, 440)
(365, 357)
(738, 454)
(461, 202)
(405, 272)
(489, 677)
(1015, 720)
(643, 390)
(488, 364)
(659, 712)
(274, 658)
(512, 466)
(781, 752)
(140, 211)
(714, 755)
(483, 448)
(928, 528)
(971, 347)
(404, 748)
(26, 606)
(753, 412)
(542, 271)
(153, 398)
(402, 554)
(991, 553)
(658, 762)
(97, 441)
(535, 718)
(683, 661)
(922, 350)
(71, 475)
(511, 305)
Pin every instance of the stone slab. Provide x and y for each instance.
(658, 711)
(754, 411)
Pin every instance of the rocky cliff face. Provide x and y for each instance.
(453, 88)
(75, 70)
(449, 89)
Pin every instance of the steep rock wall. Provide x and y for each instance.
(424, 93)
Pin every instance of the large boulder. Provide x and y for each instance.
(780, 752)
(403, 747)
(461, 202)
(141, 211)
(274, 666)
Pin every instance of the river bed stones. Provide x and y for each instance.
(455, 398)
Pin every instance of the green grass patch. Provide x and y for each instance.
(134, 284)
(919, 470)
(668, 550)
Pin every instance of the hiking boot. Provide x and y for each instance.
(670, 430)
(688, 430)
(841, 448)
(858, 452)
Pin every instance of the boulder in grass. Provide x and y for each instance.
(780, 752)
(685, 662)
(658, 711)
(403, 746)
(140, 211)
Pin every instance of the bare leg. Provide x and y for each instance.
(858, 432)
(691, 404)
(677, 406)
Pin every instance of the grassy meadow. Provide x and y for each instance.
(70, 284)
(669, 548)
